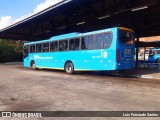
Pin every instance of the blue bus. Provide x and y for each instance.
(154, 55)
(107, 49)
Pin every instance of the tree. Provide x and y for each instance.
(11, 50)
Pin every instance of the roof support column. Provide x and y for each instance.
(144, 53)
(137, 49)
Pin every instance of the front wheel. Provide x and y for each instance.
(69, 68)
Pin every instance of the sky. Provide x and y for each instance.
(12, 11)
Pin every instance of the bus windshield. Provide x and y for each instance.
(126, 37)
(153, 52)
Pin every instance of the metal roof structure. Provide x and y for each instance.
(148, 44)
(143, 16)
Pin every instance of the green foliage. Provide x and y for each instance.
(11, 50)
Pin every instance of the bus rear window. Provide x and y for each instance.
(126, 37)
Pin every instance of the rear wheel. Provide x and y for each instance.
(69, 68)
(33, 65)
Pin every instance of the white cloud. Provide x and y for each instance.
(22, 17)
(7, 20)
(45, 5)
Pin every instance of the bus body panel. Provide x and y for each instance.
(127, 61)
(82, 60)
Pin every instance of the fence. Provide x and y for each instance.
(146, 64)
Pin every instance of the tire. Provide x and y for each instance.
(69, 68)
(33, 65)
(158, 60)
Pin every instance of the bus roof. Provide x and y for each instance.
(123, 28)
(65, 36)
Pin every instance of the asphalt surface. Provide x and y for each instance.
(23, 89)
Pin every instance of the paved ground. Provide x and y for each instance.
(47, 90)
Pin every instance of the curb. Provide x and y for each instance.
(13, 63)
(136, 76)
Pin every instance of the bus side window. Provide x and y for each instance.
(103, 41)
(63, 45)
(77, 43)
(45, 47)
(99, 41)
(83, 43)
(54, 46)
(32, 48)
(74, 44)
(87, 42)
(38, 48)
(107, 41)
(90, 42)
(71, 44)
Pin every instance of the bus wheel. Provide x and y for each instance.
(69, 68)
(33, 65)
(158, 60)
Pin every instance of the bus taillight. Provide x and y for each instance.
(117, 55)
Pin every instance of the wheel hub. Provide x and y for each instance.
(69, 68)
